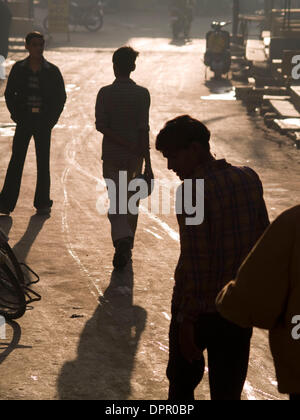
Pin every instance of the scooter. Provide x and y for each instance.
(217, 55)
(90, 16)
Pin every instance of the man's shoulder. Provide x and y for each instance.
(105, 89)
(20, 64)
(290, 216)
(222, 166)
(141, 88)
(113, 88)
(246, 170)
(221, 171)
(247, 177)
(50, 66)
(242, 172)
(143, 91)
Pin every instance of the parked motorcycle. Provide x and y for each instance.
(217, 55)
(90, 15)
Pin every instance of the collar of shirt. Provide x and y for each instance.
(130, 81)
(201, 171)
(45, 63)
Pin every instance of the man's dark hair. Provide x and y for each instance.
(124, 59)
(32, 35)
(180, 132)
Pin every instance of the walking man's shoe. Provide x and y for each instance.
(45, 211)
(123, 253)
(4, 211)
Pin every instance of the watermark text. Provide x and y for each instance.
(296, 329)
(296, 68)
(2, 328)
(161, 197)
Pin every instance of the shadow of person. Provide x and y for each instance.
(22, 248)
(107, 346)
(13, 344)
(6, 224)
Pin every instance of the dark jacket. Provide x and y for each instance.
(52, 91)
(5, 21)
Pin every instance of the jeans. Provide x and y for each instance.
(122, 225)
(11, 189)
(228, 348)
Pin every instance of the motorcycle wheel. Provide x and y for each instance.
(94, 21)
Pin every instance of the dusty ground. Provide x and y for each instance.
(70, 346)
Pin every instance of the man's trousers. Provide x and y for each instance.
(228, 348)
(11, 189)
(123, 222)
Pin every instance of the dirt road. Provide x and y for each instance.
(70, 346)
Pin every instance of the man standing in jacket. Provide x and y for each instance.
(235, 217)
(35, 97)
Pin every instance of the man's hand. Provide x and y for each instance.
(188, 347)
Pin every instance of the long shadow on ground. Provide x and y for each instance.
(107, 346)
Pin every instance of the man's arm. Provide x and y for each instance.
(61, 96)
(192, 272)
(193, 269)
(62, 91)
(145, 151)
(263, 220)
(10, 93)
(144, 139)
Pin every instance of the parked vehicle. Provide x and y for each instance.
(217, 56)
(88, 14)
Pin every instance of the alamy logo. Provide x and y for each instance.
(296, 329)
(2, 328)
(165, 198)
(296, 68)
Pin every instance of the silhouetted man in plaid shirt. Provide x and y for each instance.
(235, 217)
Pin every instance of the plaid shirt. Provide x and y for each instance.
(212, 252)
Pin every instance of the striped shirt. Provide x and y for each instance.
(211, 253)
(34, 99)
(122, 107)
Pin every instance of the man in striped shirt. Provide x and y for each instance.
(122, 116)
(211, 254)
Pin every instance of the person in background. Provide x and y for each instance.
(266, 294)
(5, 22)
(35, 96)
(122, 116)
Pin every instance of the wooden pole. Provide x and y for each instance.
(269, 5)
(235, 20)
